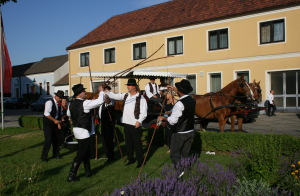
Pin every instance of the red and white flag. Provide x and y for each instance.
(5, 63)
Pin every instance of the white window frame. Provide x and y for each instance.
(80, 59)
(269, 20)
(208, 79)
(235, 72)
(166, 45)
(115, 55)
(207, 39)
(196, 80)
(132, 50)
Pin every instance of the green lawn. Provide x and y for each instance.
(21, 147)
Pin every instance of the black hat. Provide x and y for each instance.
(60, 94)
(152, 78)
(77, 89)
(184, 86)
(131, 82)
(108, 87)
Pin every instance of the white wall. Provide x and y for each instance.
(39, 78)
(62, 88)
(61, 71)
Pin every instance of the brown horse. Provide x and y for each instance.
(257, 97)
(226, 96)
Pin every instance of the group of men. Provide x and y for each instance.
(134, 113)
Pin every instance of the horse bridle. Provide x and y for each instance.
(240, 84)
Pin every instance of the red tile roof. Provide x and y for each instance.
(173, 14)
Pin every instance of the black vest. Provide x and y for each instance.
(52, 113)
(79, 117)
(104, 113)
(186, 121)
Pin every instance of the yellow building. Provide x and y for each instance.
(212, 41)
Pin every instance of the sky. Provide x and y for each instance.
(35, 29)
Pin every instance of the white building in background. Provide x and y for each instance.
(42, 74)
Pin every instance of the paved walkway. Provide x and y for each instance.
(282, 123)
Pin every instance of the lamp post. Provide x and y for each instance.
(33, 86)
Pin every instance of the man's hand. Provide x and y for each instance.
(58, 125)
(100, 88)
(137, 124)
(160, 118)
(154, 96)
(56, 122)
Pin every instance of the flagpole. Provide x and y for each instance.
(2, 108)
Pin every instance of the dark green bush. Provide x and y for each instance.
(29, 122)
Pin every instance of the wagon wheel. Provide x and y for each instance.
(153, 125)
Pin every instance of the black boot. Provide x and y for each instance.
(73, 172)
(273, 111)
(87, 167)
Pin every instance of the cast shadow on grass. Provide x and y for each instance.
(33, 146)
(225, 130)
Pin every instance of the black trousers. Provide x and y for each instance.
(83, 152)
(168, 135)
(51, 137)
(269, 108)
(107, 137)
(133, 141)
(180, 146)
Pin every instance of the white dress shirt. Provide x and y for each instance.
(129, 105)
(147, 90)
(112, 103)
(177, 112)
(81, 133)
(48, 108)
(270, 98)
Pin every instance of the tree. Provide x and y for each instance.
(2, 2)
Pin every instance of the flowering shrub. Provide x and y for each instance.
(208, 178)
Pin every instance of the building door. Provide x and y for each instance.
(286, 90)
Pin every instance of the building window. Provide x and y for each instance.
(110, 56)
(41, 88)
(48, 88)
(27, 88)
(84, 59)
(175, 45)
(192, 79)
(215, 82)
(66, 93)
(218, 39)
(139, 51)
(246, 75)
(272, 31)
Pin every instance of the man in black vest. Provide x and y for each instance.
(182, 120)
(107, 126)
(83, 128)
(134, 113)
(152, 91)
(51, 126)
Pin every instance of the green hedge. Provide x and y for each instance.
(203, 141)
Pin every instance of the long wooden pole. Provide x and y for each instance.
(152, 137)
(96, 137)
